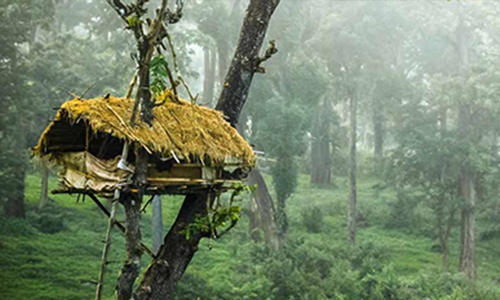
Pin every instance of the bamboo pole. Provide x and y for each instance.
(105, 251)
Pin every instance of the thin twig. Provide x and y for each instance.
(131, 85)
(88, 89)
(176, 66)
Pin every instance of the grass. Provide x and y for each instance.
(65, 264)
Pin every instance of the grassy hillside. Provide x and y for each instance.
(55, 254)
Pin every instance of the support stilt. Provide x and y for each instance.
(105, 251)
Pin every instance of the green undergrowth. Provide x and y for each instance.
(55, 253)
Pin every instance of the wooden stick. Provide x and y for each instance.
(105, 252)
(176, 67)
(119, 225)
(131, 85)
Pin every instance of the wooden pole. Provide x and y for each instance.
(105, 251)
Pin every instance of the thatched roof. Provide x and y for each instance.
(185, 129)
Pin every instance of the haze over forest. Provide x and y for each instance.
(375, 126)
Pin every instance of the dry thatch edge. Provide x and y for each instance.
(220, 142)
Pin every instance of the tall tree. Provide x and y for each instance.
(176, 252)
(353, 136)
(321, 144)
(20, 20)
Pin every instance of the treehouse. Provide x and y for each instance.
(189, 147)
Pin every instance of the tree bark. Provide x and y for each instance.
(130, 270)
(351, 219)
(222, 59)
(209, 76)
(165, 271)
(14, 206)
(321, 161)
(44, 190)
(246, 60)
(378, 134)
(176, 252)
(467, 262)
(157, 224)
(264, 208)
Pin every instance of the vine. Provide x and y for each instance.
(221, 215)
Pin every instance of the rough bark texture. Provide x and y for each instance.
(132, 202)
(351, 218)
(246, 59)
(321, 161)
(264, 208)
(130, 270)
(157, 224)
(176, 252)
(162, 276)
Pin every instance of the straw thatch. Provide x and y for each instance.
(183, 129)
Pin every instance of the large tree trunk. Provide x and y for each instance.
(132, 201)
(165, 271)
(264, 208)
(246, 59)
(351, 218)
(176, 252)
(321, 161)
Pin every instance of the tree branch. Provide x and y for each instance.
(121, 9)
(269, 53)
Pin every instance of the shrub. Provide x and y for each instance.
(312, 218)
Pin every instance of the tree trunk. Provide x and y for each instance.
(209, 76)
(264, 208)
(14, 206)
(165, 271)
(130, 270)
(468, 193)
(157, 224)
(132, 201)
(176, 252)
(254, 222)
(222, 59)
(44, 190)
(321, 162)
(351, 219)
(467, 262)
(378, 134)
(243, 66)
(281, 220)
